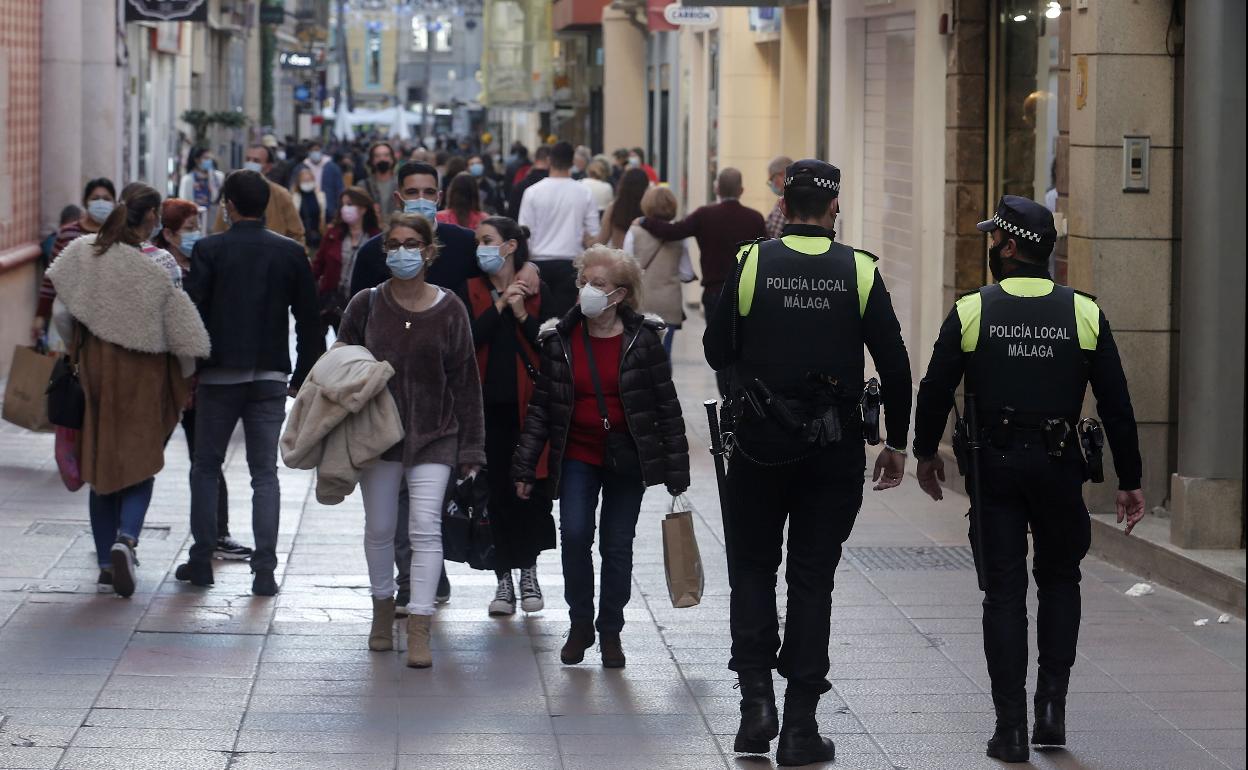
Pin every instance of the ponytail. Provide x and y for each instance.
(124, 224)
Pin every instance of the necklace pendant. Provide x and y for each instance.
(407, 324)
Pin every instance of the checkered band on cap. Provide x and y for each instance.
(819, 181)
(1015, 229)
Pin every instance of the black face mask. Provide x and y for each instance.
(995, 260)
(382, 166)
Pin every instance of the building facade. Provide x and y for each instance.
(933, 110)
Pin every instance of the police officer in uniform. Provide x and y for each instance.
(1028, 348)
(791, 332)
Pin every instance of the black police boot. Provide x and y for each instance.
(759, 722)
(1009, 742)
(800, 741)
(1050, 705)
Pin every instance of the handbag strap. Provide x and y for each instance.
(368, 313)
(593, 375)
(653, 256)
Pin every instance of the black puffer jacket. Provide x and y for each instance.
(646, 391)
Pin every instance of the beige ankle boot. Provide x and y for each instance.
(418, 654)
(381, 635)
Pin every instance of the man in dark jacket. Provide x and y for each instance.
(246, 282)
(718, 228)
(539, 171)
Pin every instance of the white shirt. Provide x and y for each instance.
(603, 192)
(559, 212)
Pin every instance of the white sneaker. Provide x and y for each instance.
(530, 592)
(504, 598)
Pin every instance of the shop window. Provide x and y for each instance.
(439, 26)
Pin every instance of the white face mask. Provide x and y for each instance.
(307, 187)
(594, 301)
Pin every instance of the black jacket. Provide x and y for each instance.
(646, 391)
(247, 282)
(456, 262)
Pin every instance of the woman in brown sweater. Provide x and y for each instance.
(424, 333)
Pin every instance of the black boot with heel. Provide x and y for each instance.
(760, 724)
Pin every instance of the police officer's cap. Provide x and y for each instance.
(1022, 218)
(813, 173)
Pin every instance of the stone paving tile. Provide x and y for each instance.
(186, 678)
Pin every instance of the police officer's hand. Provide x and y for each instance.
(890, 469)
(931, 472)
(1130, 507)
(523, 490)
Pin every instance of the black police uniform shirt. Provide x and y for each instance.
(1032, 345)
(808, 304)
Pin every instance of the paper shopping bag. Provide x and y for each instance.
(25, 401)
(681, 561)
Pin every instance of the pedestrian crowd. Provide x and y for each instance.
(504, 318)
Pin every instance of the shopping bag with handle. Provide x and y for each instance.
(682, 562)
(25, 400)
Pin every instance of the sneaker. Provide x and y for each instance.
(231, 549)
(444, 589)
(505, 597)
(530, 592)
(104, 583)
(122, 556)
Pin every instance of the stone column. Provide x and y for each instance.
(1121, 245)
(966, 137)
(1207, 492)
(624, 91)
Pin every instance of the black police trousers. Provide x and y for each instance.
(820, 497)
(1024, 487)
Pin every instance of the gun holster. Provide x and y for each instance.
(1093, 442)
(870, 407)
(961, 445)
(1056, 436)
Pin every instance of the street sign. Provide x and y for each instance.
(272, 14)
(302, 93)
(690, 15)
(166, 10)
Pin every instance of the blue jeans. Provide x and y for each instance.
(261, 405)
(621, 504)
(119, 513)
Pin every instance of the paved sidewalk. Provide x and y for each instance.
(183, 678)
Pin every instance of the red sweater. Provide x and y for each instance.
(587, 440)
(718, 229)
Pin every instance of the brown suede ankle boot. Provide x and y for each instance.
(418, 629)
(381, 635)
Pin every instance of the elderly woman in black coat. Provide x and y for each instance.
(606, 406)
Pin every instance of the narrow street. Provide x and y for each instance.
(193, 679)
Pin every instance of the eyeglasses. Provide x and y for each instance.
(410, 245)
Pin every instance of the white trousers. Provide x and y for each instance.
(426, 487)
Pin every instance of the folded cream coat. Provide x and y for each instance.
(343, 418)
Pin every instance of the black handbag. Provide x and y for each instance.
(67, 404)
(621, 456)
(466, 533)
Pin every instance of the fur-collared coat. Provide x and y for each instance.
(138, 337)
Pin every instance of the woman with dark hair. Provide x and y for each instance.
(354, 223)
(98, 199)
(506, 316)
(135, 337)
(463, 203)
(422, 332)
(455, 165)
(201, 184)
(626, 207)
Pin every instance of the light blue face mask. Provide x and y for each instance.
(189, 240)
(489, 260)
(206, 164)
(251, 165)
(99, 209)
(477, 169)
(405, 264)
(426, 208)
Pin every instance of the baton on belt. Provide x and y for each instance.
(718, 453)
(974, 444)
